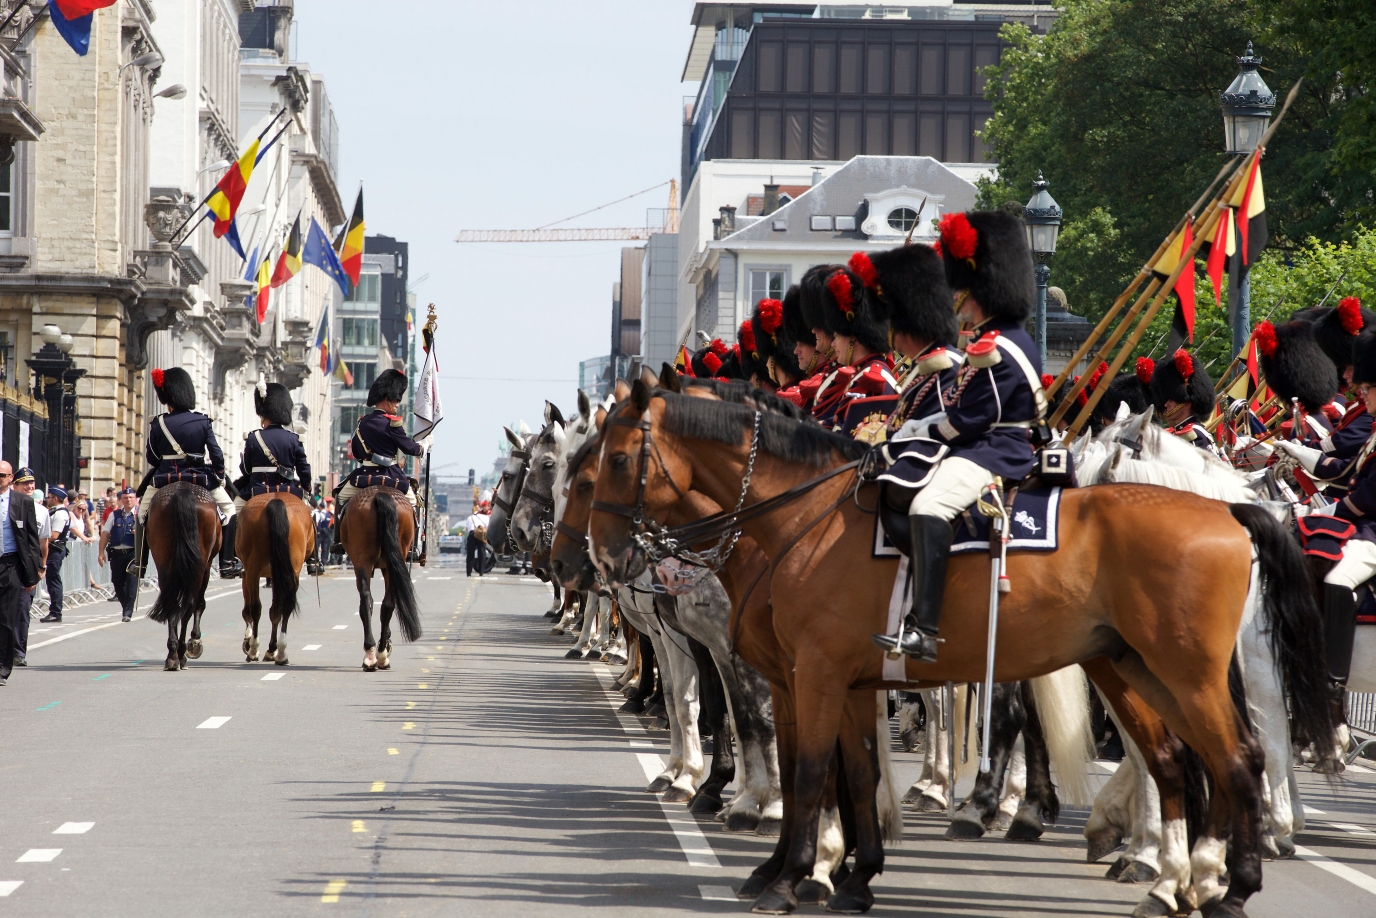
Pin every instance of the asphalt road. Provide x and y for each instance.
(483, 775)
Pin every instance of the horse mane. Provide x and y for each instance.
(1138, 472)
(740, 392)
(587, 447)
(782, 434)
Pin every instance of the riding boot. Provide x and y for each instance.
(1339, 627)
(229, 561)
(931, 547)
(415, 542)
(337, 547)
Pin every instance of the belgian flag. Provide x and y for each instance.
(1182, 324)
(289, 262)
(349, 245)
(1240, 236)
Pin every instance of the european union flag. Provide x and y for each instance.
(320, 253)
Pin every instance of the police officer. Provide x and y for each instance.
(26, 484)
(60, 522)
(997, 399)
(117, 540)
(1183, 395)
(378, 443)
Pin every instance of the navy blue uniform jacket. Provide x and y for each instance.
(286, 449)
(382, 435)
(193, 434)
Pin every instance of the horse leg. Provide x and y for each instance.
(1040, 804)
(384, 638)
(181, 638)
(682, 705)
(1266, 703)
(714, 704)
(253, 613)
(786, 734)
(978, 811)
(173, 662)
(195, 647)
(1141, 862)
(363, 580)
(1014, 788)
(859, 737)
(932, 791)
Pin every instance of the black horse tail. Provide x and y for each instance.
(1293, 625)
(399, 578)
(180, 586)
(285, 582)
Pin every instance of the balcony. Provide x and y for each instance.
(701, 113)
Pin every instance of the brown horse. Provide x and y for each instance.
(377, 531)
(183, 534)
(276, 536)
(1164, 612)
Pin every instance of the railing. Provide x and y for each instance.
(84, 581)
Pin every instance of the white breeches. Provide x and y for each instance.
(348, 491)
(226, 506)
(955, 485)
(1358, 565)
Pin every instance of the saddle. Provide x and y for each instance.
(197, 476)
(1033, 507)
(365, 477)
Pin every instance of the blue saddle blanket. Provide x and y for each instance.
(1035, 524)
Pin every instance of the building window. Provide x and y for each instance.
(364, 374)
(369, 289)
(766, 285)
(348, 419)
(902, 218)
(7, 199)
(360, 332)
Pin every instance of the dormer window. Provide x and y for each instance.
(896, 212)
(902, 219)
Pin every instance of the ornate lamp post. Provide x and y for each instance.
(1247, 106)
(1042, 217)
(55, 376)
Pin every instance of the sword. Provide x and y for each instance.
(137, 561)
(948, 723)
(999, 522)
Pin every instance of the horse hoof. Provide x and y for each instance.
(742, 821)
(1138, 872)
(774, 901)
(1102, 844)
(966, 826)
(1151, 907)
(1285, 848)
(383, 660)
(1119, 866)
(195, 649)
(384, 666)
(677, 795)
(574, 654)
(655, 710)
(1025, 827)
(660, 724)
(770, 827)
(659, 785)
(181, 663)
(850, 902)
(281, 659)
(369, 669)
(633, 706)
(1001, 822)
(753, 886)
(617, 660)
(928, 804)
(171, 666)
(706, 804)
(251, 659)
(810, 892)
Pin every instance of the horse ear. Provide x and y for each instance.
(513, 438)
(584, 406)
(668, 379)
(600, 417)
(553, 414)
(622, 390)
(648, 377)
(640, 396)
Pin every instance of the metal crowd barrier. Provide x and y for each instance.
(84, 581)
(1361, 717)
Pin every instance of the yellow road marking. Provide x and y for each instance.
(422, 685)
(410, 705)
(333, 889)
(359, 826)
(429, 658)
(392, 752)
(379, 787)
(408, 726)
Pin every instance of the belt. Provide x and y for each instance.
(289, 474)
(377, 460)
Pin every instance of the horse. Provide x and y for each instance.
(377, 533)
(183, 534)
(509, 484)
(1153, 621)
(278, 536)
(533, 502)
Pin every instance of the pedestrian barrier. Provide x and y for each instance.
(1361, 717)
(84, 580)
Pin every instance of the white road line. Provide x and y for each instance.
(1352, 829)
(1106, 765)
(74, 828)
(311, 647)
(38, 855)
(340, 627)
(1310, 811)
(213, 723)
(272, 677)
(690, 837)
(1342, 871)
(439, 578)
(69, 636)
(718, 893)
(9, 886)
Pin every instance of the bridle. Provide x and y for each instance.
(520, 476)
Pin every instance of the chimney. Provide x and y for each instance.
(716, 228)
(771, 198)
(728, 220)
(816, 176)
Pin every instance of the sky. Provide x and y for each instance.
(460, 115)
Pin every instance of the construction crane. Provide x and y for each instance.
(599, 234)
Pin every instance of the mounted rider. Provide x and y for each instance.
(861, 340)
(1130, 389)
(798, 330)
(1183, 395)
(378, 442)
(274, 461)
(983, 435)
(821, 387)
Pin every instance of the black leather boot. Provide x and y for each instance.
(931, 547)
(337, 547)
(229, 561)
(1339, 629)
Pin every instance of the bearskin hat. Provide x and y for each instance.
(907, 287)
(275, 404)
(751, 360)
(1182, 378)
(986, 253)
(707, 361)
(1295, 365)
(390, 386)
(772, 340)
(175, 389)
(1336, 328)
(813, 299)
(1131, 389)
(794, 324)
(1364, 357)
(847, 312)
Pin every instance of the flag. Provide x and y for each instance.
(251, 272)
(322, 341)
(264, 281)
(1182, 324)
(1218, 251)
(232, 237)
(429, 412)
(1250, 203)
(341, 371)
(229, 191)
(319, 253)
(350, 243)
(289, 262)
(72, 19)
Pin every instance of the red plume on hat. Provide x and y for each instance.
(1265, 336)
(712, 361)
(1350, 314)
(860, 263)
(719, 348)
(958, 236)
(1081, 397)
(1184, 363)
(1145, 367)
(771, 317)
(839, 285)
(1047, 380)
(736, 351)
(748, 338)
(157, 379)
(1097, 375)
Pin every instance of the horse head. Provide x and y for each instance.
(508, 488)
(535, 505)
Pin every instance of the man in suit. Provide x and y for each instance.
(19, 561)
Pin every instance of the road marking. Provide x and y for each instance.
(642, 744)
(101, 676)
(272, 677)
(1342, 871)
(1310, 811)
(422, 685)
(333, 889)
(70, 635)
(49, 706)
(718, 893)
(378, 787)
(392, 752)
(1106, 765)
(690, 837)
(74, 828)
(439, 578)
(429, 658)
(340, 627)
(38, 855)
(410, 705)
(1351, 829)
(359, 826)
(424, 669)
(311, 647)
(9, 886)
(213, 723)
(408, 726)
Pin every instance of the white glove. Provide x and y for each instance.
(427, 442)
(1306, 456)
(920, 427)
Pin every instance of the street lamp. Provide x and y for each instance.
(1042, 218)
(1247, 105)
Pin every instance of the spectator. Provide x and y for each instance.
(82, 525)
(60, 522)
(24, 483)
(106, 505)
(20, 561)
(117, 537)
(321, 517)
(476, 527)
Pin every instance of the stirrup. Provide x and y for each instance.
(914, 643)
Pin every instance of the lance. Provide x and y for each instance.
(427, 334)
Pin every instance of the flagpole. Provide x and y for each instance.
(428, 335)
